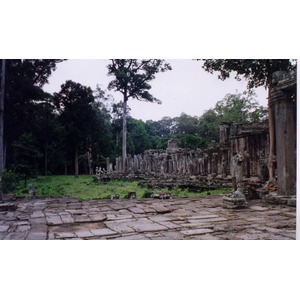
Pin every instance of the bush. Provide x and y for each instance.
(10, 181)
(147, 194)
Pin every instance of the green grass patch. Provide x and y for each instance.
(84, 188)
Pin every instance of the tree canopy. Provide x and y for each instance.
(258, 72)
(77, 129)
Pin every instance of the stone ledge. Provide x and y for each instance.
(281, 199)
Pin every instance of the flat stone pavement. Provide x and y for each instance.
(201, 218)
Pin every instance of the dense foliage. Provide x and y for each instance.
(77, 129)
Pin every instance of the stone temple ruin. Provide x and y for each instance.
(200, 170)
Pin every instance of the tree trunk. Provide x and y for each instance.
(124, 137)
(89, 161)
(2, 124)
(76, 163)
(2, 115)
(271, 165)
(4, 155)
(46, 159)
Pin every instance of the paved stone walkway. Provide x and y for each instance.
(200, 218)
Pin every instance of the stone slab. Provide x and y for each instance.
(3, 235)
(81, 218)
(98, 217)
(38, 221)
(120, 227)
(133, 237)
(3, 228)
(196, 231)
(103, 232)
(22, 228)
(37, 214)
(54, 220)
(145, 226)
(170, 225)
(84, 234)
(38, 235)
(136, 210)
(64, 235)
(67, 219)
(16, 236)
(161, 209)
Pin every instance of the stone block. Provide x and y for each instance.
(120, 227)
(3, 228)
(67, 219)
(146, 226)
(16, 236)
(97, 217)
(196, 231)
(84, 234)
(64, 235)
(54, 220)
(38, 221)
(103, 232)
(234, 202)
(37, 235)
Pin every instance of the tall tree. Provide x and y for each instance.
(132, 77)
(76, 113)
(258, 72)
(24, 81)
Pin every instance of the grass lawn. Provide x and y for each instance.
(85, 188)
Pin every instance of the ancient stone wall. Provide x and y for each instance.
(250, 140)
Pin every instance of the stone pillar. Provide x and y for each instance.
(107, 165)
(283, 97)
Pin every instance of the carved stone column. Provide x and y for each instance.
(283, 97)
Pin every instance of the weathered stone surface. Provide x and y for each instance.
(283, 102)
(196, 231)
(144, 225)
(103, 232)
(67, 219)
(38, 221)
(136, 210)
(258, 207)
(54, 220)
(3, 228)
(3, 235)
(98, 217)
(84, 234)
(161, 209)
(133, 237)
(81, 218)
(37, 235)
(16, 236)
(194, 218)
(7, 207)
(120, 227)
(22, 228)
(64, 235)
(37, 214)
(234, 202)
(169, 225)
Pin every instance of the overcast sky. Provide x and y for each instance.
(187, 88)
